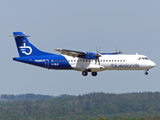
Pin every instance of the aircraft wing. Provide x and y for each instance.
(85, 55)
(70, 52)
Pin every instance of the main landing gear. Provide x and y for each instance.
(85, 73)
(94, 73)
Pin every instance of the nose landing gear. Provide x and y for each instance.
(146, 72)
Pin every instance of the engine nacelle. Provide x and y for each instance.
(95, 68)
(89, 55)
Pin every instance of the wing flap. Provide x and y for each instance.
(70, 52)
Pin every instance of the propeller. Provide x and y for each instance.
(116, 52)
(97, 56)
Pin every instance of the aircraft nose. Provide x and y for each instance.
(152, 64)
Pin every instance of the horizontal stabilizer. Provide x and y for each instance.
(19, 36)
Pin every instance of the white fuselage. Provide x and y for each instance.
(111, 62)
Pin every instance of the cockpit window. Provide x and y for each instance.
(142, 58)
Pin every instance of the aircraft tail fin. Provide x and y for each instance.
(25, 48)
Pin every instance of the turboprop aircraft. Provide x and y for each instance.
(81, 61)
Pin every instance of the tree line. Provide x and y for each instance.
(92, 106)
(28, 96)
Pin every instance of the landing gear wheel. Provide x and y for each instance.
(146, 73)
(94, 73)
(84, 73)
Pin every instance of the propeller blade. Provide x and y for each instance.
(98, 61)
(97, 55)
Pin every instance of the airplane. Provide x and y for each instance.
(76, 60)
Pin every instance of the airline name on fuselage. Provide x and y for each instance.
(39, 60)
(125, 65)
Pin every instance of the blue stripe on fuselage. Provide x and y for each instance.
(46, 61)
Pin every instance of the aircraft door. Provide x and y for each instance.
(46, 63)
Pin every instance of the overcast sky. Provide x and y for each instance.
(132, 26)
